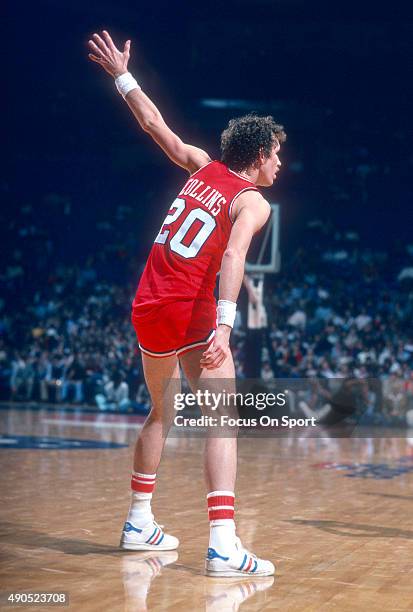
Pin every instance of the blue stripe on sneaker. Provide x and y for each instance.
(255, 566)
(212, 554)
(243, 562)
(160, 539)
(129, 527)
(150, 537)
(158, 532)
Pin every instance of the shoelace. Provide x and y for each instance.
(160, 526)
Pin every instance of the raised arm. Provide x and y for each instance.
(115, 62)
(251, 214)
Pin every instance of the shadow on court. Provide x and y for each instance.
(22, 536)
(391, 496)
(355, 530)
(11, 533)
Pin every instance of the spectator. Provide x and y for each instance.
(116, 394)
(74, 379)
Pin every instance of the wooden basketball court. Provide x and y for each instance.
(335, 516)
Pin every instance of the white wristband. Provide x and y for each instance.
(226, 312)
(125, 83)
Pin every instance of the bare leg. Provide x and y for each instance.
(162, 378)
(220, 453)
(226, 556)
(140, 531)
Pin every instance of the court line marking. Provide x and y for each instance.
(98, 417)
(93, 424)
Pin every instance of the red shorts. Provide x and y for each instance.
(174, 328)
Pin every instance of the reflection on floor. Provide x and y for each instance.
(335, 515)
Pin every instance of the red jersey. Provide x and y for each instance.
(187, 253)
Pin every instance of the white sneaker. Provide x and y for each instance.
(223, 594)
(150, 537)
(139, 569)
(240, 563)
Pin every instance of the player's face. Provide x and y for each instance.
(269, 168)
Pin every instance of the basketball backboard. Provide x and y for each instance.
(264, 257)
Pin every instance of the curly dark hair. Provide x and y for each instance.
(246, 137)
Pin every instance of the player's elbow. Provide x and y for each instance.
(235, 254)
(148, 124)
(151, 122)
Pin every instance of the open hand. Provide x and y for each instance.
(105, 53)
(218, 350)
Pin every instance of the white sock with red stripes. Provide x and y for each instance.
(221, 520)
(140, 513)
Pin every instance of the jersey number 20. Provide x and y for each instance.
(175, 243)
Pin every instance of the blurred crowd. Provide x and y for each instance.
(339, 311)
(75, 345)
(336, 310)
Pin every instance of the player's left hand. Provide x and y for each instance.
(218, 350)
(105, 53)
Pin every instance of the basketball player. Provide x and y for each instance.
(208, 229)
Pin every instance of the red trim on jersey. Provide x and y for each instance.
(201, 168)
(235, 197)
(156, 355)
(240, 176)
(195, 345)
(182, 350)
